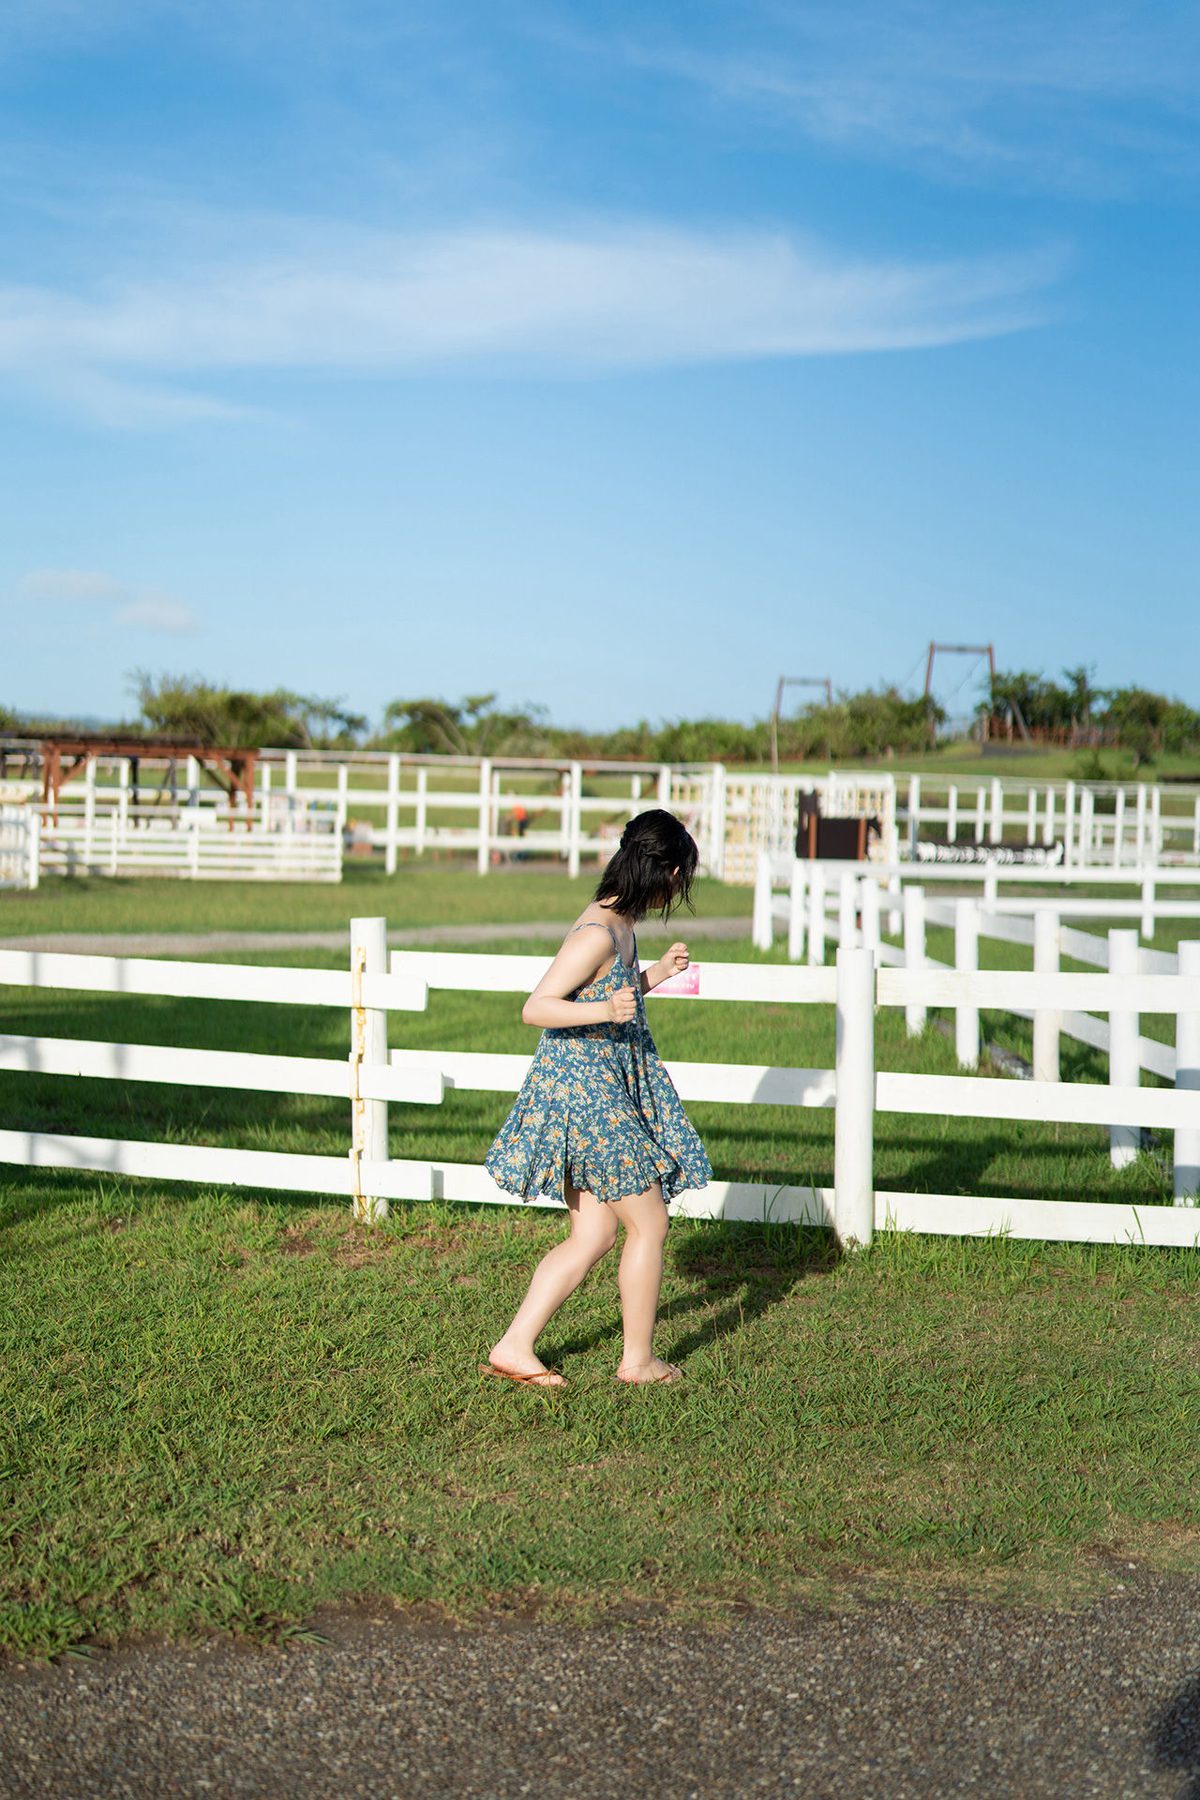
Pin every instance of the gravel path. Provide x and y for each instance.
(889, 1701)
(201, 943)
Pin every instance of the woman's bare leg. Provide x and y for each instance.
(593, 1233)
(644, 1217)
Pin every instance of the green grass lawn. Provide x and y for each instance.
(219, 1410)
(420, 893)
(222, 1411)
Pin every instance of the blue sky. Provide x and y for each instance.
(617, 358)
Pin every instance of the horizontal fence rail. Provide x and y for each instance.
(248, 1070)
(864, 906)
(207, 981)
(854, 1089)
(310, 807)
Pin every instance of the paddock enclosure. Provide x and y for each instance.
(376, 994)
(311, 809)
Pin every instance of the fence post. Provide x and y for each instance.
(996, 830)
(854, 1117)
(914, 952)
(485, 814)
(576, 827)
(1118, 855)
(914, 812)
(1048, 819)
(847, 908)
(1124, 1068)
(1047, 1021)
(368, 1046)
(716, 824)
(895, 889)
(797, 896)
(761, 923)
(1187, 1076)
(980, 813)
(952, 814)
(1148, 907)
(1069, 825)
(1086, 809)
(868, 906)
(89, 812)
(422, 808)
(966, 961)
(392, 826)
(816, 915)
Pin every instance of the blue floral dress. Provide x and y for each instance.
(598, 1108)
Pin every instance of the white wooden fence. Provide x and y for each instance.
(793, 893)
(472, 804)
(1116, 823)
(20, 846)
(388, 802)
(859, 920)
(854, 1087)
(196, 843)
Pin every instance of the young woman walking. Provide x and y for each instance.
(597, 1119)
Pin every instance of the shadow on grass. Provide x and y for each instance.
(737, 1274)
(956, 1167)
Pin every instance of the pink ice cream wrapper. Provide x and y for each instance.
(688, 982)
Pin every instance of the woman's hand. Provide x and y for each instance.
(673, 961)
(621, 1005)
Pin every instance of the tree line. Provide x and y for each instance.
(870, 722)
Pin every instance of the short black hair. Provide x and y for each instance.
(638, 880)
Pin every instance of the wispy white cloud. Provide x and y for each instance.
(117, 402)
(69, 587)
(596, 298)
(158, 612)
(129, 607)
(1085, 95)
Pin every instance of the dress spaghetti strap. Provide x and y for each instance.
(600, 926)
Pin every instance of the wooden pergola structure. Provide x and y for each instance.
(65, 756)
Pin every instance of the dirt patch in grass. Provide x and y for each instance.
(296, 1242)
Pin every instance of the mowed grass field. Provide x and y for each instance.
(222, 1409)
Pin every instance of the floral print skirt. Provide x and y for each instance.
(599, 1110)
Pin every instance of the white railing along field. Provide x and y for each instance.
(20, 847)
(364, 802)
(369, 991)
(810, 888)
(391, 803)
(859, 920)
(1115, 823)
(196, 843)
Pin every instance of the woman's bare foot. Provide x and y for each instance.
(507, 1361)
(637, 1374)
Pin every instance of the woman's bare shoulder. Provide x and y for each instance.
(593, 914)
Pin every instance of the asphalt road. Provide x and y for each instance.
(886, 1701)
